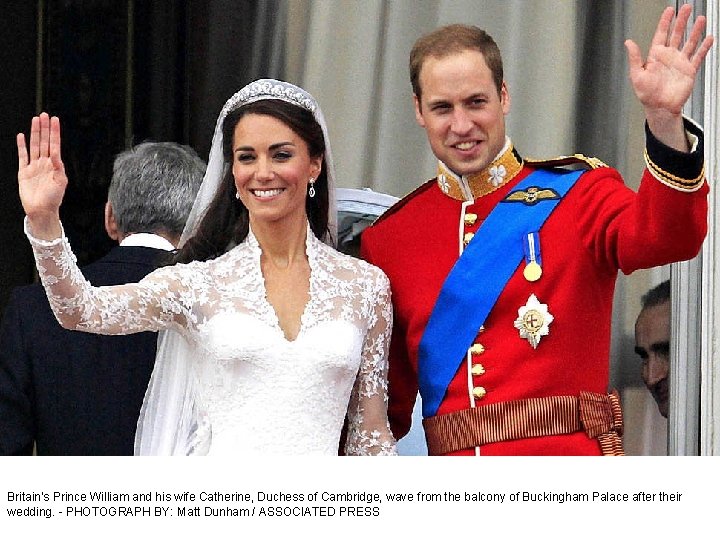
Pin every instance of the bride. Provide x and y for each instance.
(270, 338)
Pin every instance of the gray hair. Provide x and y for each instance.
(657, 295)
(154, 186)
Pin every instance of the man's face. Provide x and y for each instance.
(462, 111)
(652, 343)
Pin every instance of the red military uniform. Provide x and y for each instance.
(599, 228)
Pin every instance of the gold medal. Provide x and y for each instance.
(532, 271)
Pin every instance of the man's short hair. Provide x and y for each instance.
(154, 186)
(453, 39)
(657, 295)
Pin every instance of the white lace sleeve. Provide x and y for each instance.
(152, 304)
(368, 428)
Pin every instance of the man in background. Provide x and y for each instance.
(72, 393)
(652, 343)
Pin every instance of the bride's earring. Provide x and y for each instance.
(311, 191)
(237, 195)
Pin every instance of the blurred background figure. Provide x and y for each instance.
(72, 393)
(652, 343)
(358, 208)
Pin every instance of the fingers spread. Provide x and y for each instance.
(694, 37)
(634, 55)
(702, 51)
(679, 27)
(661, 32)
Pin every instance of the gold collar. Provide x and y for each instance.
(471, 187)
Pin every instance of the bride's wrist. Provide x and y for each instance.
(45, 230)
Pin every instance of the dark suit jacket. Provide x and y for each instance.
(71, 392)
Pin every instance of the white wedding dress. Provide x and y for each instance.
(257, 391)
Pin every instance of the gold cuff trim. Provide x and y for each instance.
(673, 181)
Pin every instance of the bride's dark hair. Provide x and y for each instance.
(226, 221)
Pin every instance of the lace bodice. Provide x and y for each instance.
(260, 392)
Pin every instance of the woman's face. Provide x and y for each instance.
(271, 166)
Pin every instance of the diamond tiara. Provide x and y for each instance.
(270, 89)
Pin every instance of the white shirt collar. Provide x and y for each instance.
(147, 240)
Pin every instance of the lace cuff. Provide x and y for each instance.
(43, 243)
(368, 429)
(373, 443)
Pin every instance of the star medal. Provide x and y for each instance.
(533, 268)
(533, 321)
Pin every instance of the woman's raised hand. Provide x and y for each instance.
(41, 176)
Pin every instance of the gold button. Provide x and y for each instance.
(479, 392)
(477, 369)
(467, 238)
(477, 349)
(470, 219)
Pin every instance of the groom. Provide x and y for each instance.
(503, 270)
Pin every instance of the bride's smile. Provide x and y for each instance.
(272, 168)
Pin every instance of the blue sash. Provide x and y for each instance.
(478, 278)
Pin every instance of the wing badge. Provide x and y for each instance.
(532, 196)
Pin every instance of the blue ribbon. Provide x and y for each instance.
(476, 281)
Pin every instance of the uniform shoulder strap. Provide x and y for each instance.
(575, 161)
